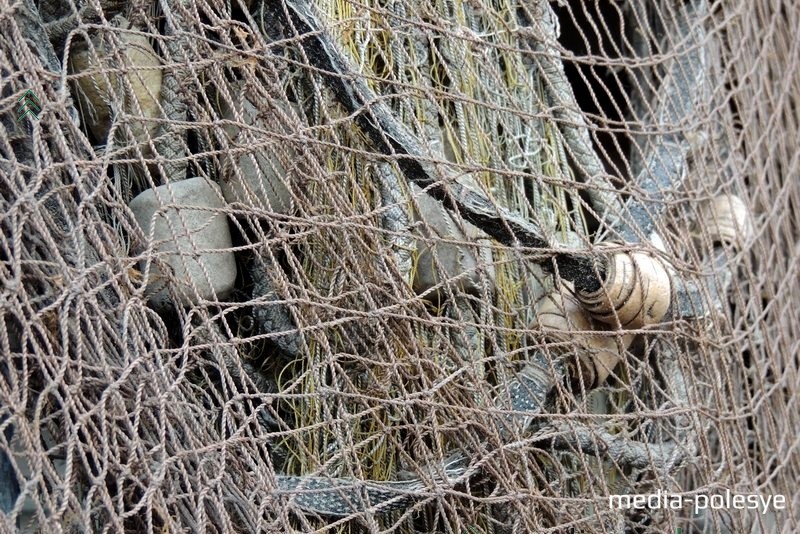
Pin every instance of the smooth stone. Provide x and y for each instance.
(190, 238)
(142, 73)
(262, 178)
(469, 262)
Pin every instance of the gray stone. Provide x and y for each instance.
(461, 252)
(190, 238)
(259, 178)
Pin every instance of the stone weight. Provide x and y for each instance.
(190, 237)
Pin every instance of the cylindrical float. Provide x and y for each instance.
(561, 318)
(726, 219)
(636, 291)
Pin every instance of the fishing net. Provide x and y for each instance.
(394, 266)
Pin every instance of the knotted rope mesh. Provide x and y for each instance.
(389, 266)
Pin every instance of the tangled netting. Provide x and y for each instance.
(395, 266)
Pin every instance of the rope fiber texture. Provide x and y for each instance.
(395, 266)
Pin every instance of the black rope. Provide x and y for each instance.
(391, 138)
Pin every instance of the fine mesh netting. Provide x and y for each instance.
(395, 266)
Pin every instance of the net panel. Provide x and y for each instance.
(380, 266)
